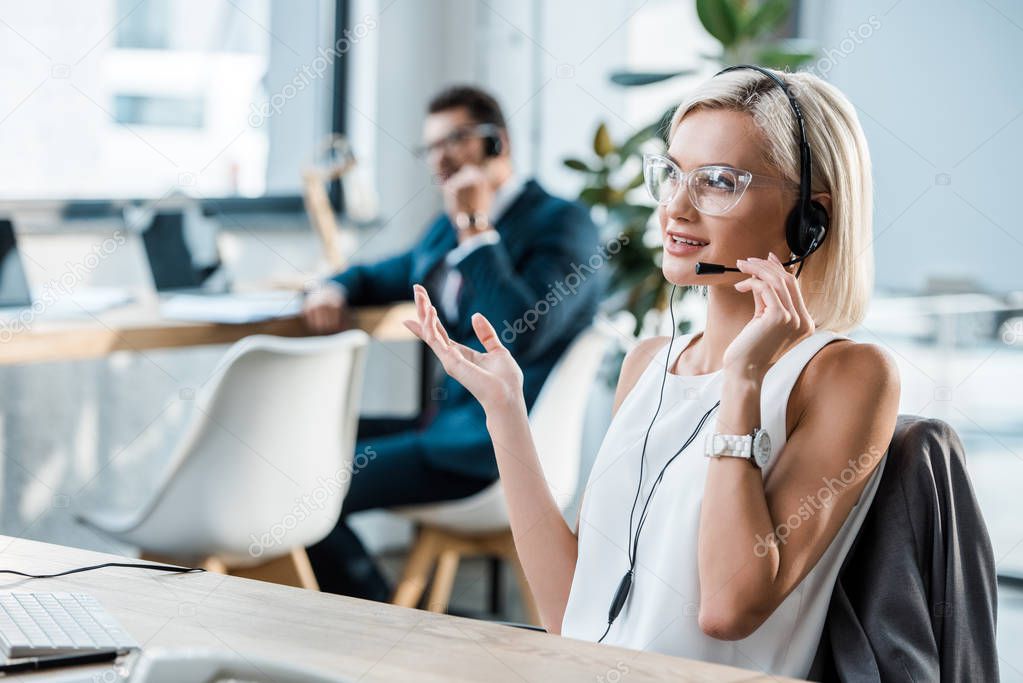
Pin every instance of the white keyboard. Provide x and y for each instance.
(43, 624)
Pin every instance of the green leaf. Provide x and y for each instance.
(718, 17)
(577, 165)
(629, 79)
(785, 55)
(766, 17)
(602, 144)
(594, 196)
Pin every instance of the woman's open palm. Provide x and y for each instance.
(493, 376)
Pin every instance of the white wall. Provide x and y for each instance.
(547, 63)
(937, 88)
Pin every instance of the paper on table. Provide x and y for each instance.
(231, 308)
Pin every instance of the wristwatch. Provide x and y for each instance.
(755, 447)
(473, 222)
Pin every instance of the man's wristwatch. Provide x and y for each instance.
(473, 222)
(755, 447)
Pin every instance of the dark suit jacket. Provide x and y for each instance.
(538, 286)
(916, 597)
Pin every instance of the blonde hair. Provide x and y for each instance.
(837, 280)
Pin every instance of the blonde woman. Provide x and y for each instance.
(681, 548)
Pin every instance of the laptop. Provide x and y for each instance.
(14, 290)
(184, 258)
(193, 284)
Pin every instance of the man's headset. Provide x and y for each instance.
(491, 136)
(807, 223)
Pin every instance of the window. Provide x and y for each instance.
(124, 99)
(166, 112)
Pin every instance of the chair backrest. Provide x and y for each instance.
(559, 413)
(267, 459)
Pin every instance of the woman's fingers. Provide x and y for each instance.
(486, 333)
(776, 276)
(747, 285)
(794, 289)
(773, 290)
(766, 290)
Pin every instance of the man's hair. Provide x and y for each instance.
(482, 107)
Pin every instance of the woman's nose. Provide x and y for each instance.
(680, 206)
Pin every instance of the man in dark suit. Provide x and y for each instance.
(503, 247)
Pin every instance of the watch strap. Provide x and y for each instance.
(730, 445)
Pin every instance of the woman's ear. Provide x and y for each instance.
(825, 200)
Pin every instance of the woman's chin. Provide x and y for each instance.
(681, 271)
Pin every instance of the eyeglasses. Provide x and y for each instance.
(456, 138)
(713, 190)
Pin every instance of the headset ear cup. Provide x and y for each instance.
(801, 234)
(793, 232)
(816, 227)
(493, 145)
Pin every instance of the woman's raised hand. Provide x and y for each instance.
(493, 377)
(780, 317)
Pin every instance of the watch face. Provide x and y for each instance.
(762, 448)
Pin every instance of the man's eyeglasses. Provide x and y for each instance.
(456, 139)
(713, 190)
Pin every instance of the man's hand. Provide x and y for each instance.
(469, 191)
(323, 309)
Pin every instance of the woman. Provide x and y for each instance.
(737, 562)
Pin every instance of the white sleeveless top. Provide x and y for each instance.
(662, 608)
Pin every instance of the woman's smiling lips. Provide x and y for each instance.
(682, 244)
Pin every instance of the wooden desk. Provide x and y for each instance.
(139, 327)
(366, 641)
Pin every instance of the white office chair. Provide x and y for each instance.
(478, 525)
(264, 464)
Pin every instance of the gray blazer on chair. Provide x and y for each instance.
(916, 597)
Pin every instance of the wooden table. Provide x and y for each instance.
(366, 641)
(139, 327)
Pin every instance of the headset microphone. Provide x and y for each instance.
(704, 268)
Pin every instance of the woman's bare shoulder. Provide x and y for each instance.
(636, 361)
(845, 369)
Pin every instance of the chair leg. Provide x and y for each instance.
(495, 589)
(505, 544)
(443, 580)
(417, 569)
(292, 569)
(214, 565)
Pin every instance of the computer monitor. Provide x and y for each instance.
(180, 259)
(14, 289)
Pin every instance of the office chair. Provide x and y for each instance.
(264, 463)
(478, 525)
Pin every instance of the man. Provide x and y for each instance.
(502, 247)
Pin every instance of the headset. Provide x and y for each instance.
(491, 136)
(805, 230)
(807, 223)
